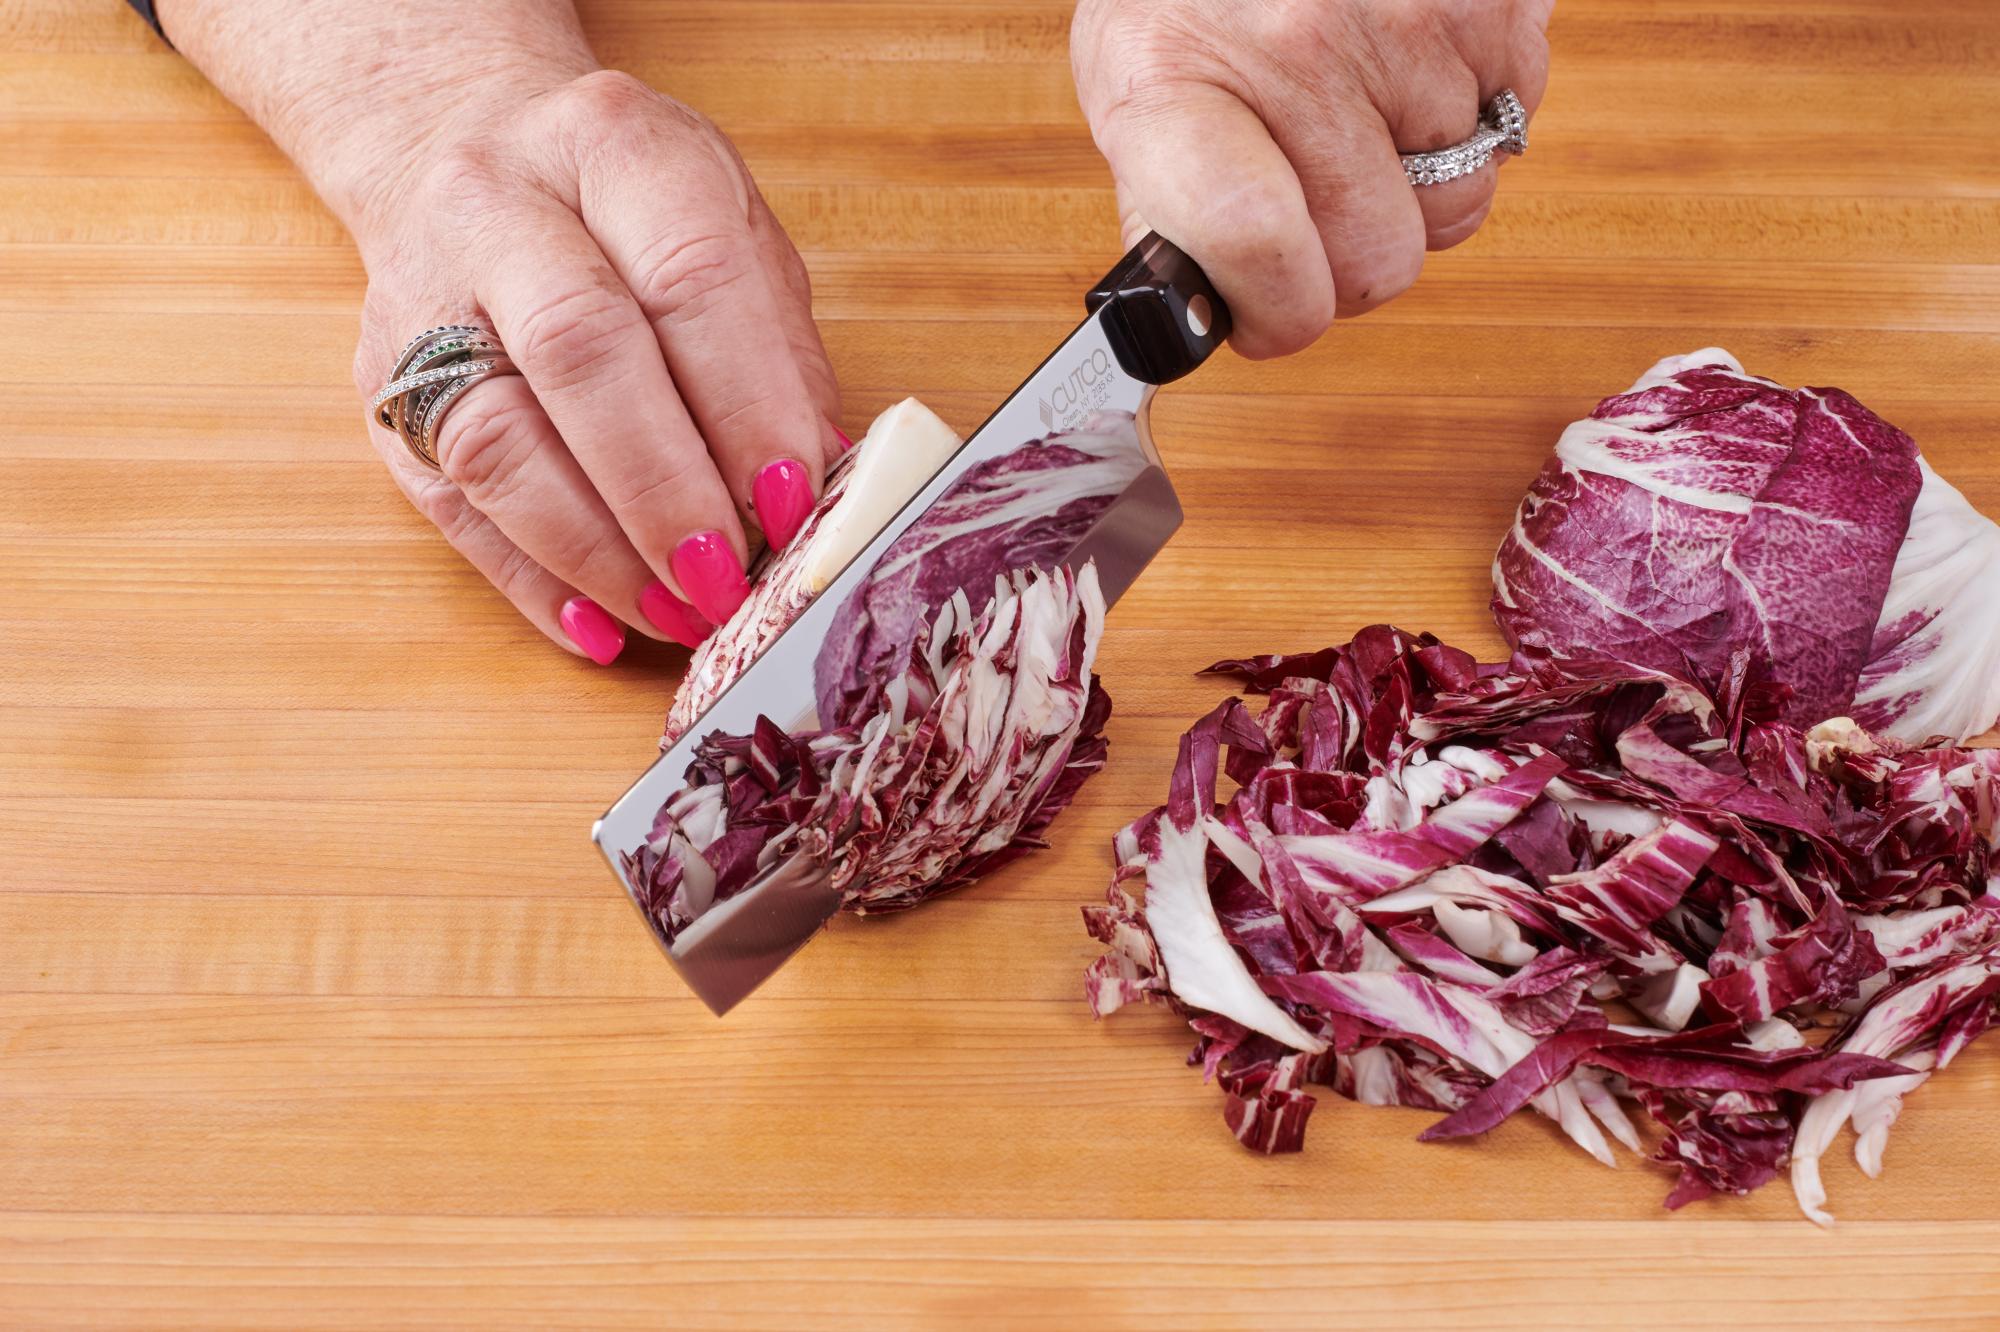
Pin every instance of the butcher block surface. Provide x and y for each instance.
(317, 1009)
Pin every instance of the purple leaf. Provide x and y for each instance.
(1719, 525)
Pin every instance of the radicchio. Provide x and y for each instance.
(1575, 885)
(952, 765)
(1022, 509)
(1707, 510)
(952, 729)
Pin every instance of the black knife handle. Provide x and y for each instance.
(1165, 317)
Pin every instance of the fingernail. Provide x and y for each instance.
(782, 494)
(707, 567)
(841, 435)
(591, 628)
(672, 616)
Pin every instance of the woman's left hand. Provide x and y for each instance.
(1263, 137)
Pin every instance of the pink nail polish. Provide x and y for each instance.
(841, 435)
(591, 628)
(783, 497)
(672, 616)
(707, 567)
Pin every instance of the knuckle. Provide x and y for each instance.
(1308, 322)
(614, 123)
(607, 95)
(1141, 98)
(589, 555)
(1139, 58)
(1444, 116)
(514, 572)
(1533, 14)
(571, 336)
(1373, 278)
(483, 444)
(748, 411)
(1298, 26)
(682, 277)
(1418, 35)
(1161, 38)
(1458, 222)
(797, 277)
(1260, 226)
(1265, 215)
(463, 177)
(440, 500)
(654, 490)
(1288, 327)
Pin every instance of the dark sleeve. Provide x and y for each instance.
(145, 8)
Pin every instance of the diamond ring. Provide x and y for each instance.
(1502, 129)
(435, 369)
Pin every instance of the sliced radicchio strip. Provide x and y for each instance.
(1922, 1020)
(954, 765)
(1451, 886)
(901, 451)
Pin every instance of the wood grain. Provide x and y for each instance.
(316, 1009)
(742, 1274)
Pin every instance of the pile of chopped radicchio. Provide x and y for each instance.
(1650, 866)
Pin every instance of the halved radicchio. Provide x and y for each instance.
(958, 712)
(951, 765)
(1707, 510)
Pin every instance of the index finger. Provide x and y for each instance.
(582, 342)
(690, 256)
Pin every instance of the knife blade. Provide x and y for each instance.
(1152, 319)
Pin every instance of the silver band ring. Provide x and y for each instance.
(1502, 129)
(435, 369)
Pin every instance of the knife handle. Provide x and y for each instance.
(1165, 317)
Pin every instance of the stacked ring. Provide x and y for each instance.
(435, 369)
(1502, 129)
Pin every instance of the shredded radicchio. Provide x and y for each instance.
(1581, 887)
(952, 764)
(1022, 509)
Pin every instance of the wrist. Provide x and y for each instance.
(369, 164)
(362, 94)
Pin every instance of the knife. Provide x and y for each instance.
(1152, 319)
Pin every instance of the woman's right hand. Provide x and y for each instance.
(673, 398)
(1265, 139)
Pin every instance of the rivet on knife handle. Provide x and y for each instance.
(1165, 317)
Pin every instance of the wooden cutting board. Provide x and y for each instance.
(316, 1008)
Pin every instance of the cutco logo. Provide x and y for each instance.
(1084, 390)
